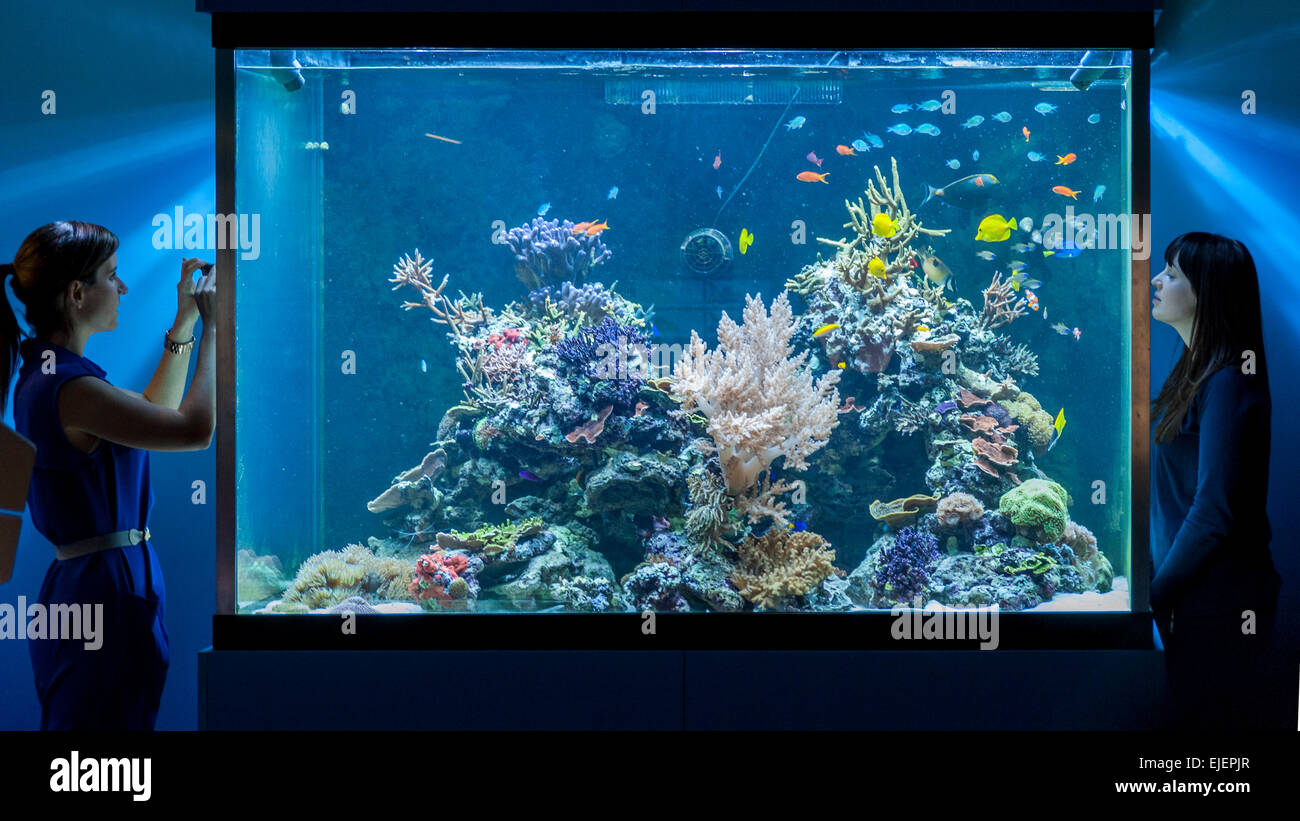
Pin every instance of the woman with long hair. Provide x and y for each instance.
(90, 493)
(1214, 587)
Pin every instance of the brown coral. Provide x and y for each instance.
(1003, 454)
(780, 564)
(409, 488)
(902, 512)
(979, 424)
(592, 429)
(935, 345)
(958, 510)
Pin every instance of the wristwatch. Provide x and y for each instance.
(176, 347)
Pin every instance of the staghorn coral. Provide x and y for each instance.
(761, 500)
(415, 273)
(781, 564)
(760, 402)
(1000, 305)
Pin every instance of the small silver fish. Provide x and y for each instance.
(973, 121)
(613, 193)
(1034, 156)
(1003, 116)
(1096, 195)
(719, 190)
(424, 366)
(797, 122)
(928, 128)
(954, 164)
(543, 208)
(986, 255)
(928, 105)
(1044, 108)
(975, 155)
(901, 108)
(1094, 118)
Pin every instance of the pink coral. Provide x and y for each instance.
(958, 510)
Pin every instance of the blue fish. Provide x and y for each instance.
(860, 145)
(1094, 118)
(901, 108)
(901, 129)
(800, 525)
(928, 128)
(613, 193)
(529, 475)
(1068, 252)
(875, 141)
(653, 330)
(929, 105)
(1003, 116)
(797, 122)
(424, 366)
(1044, 108)
(543, 208)
(973, 121)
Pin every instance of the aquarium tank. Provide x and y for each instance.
(697, 331)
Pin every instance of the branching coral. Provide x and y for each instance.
(781, 564)
(761, 403)
(1000, 305)
(548, 252)
(462, 315)
(761, 500)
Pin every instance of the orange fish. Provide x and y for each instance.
(580, 227)
(717, 161)
(845, 151)
(1065, 192)
(979, 180)
(1024, 129)
(1066, 160)
(595, 228)
(813, 176)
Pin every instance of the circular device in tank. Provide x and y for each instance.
(706, 251)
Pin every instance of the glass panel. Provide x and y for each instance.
(487, 358)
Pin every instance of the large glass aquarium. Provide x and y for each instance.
(705, 331)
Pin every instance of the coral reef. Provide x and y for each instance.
(549, 252)
(958, 511)
(330, 576)
(1039, 506)
(761, 402)
(442, 580)
(493, 541)
(780, 565)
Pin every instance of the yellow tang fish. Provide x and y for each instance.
(876, 268)
(1058, 427)
(922, 328)
(883, 226)
(840, 366)
(824, 329)
(994, 228)
(746, 240)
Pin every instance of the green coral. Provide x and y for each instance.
(492, 540)
(1038, 564)
(1037, 503)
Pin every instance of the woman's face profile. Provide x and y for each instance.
(1174, 301)
(99, 301)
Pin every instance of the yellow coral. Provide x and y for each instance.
(781, 564)
(330, 576)
(1028, 413)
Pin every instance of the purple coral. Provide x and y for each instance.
(903, 565)
(547, 252)
(614, 354)
(591, 299)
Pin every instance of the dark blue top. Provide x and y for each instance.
(75, 495)
(1209, 486)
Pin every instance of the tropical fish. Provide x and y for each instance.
(875, 141)
(929, 105)
(860, 145)
(1032, 299)
(797, 122)
(954, 164)
(883, 226)
(653, 330)
(812, 176)
(1066, 160)
(1022, 247)
(967, 192)
(1027, 224)
(840, 365)
(717, 161)
(424, 366)
(901, 129)
(1003, 116)
(444, 139)
(986, 254)
(1061, 328)
(1017, 265)
(995, 228)
(1096, 195)
(876, 268)
(1044, 108)
(1068, 252)
(813, 158)
(975, 155)
(596, 228)
(929, 129)
(1094, 118)
(1034, 156)
(825, 329)
(529, 476)
(797, 526)
(580, 228)
(1065, 192)
(1057, 427)
(937, 272)
(718, 190)
(1024, 129)
(543, 208)
(1077, 333)
(746, 240)
(844, 151)
(925, 329)
(1044, 313)
(613, 193)
(901, 108)
(973, 121)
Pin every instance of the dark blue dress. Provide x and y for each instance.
(76, 495)
(1210, 549)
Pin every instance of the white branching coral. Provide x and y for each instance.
(760, 402)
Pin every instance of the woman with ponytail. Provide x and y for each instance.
(90, 493)
(1214, 588)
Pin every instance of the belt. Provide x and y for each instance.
(94, 544)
